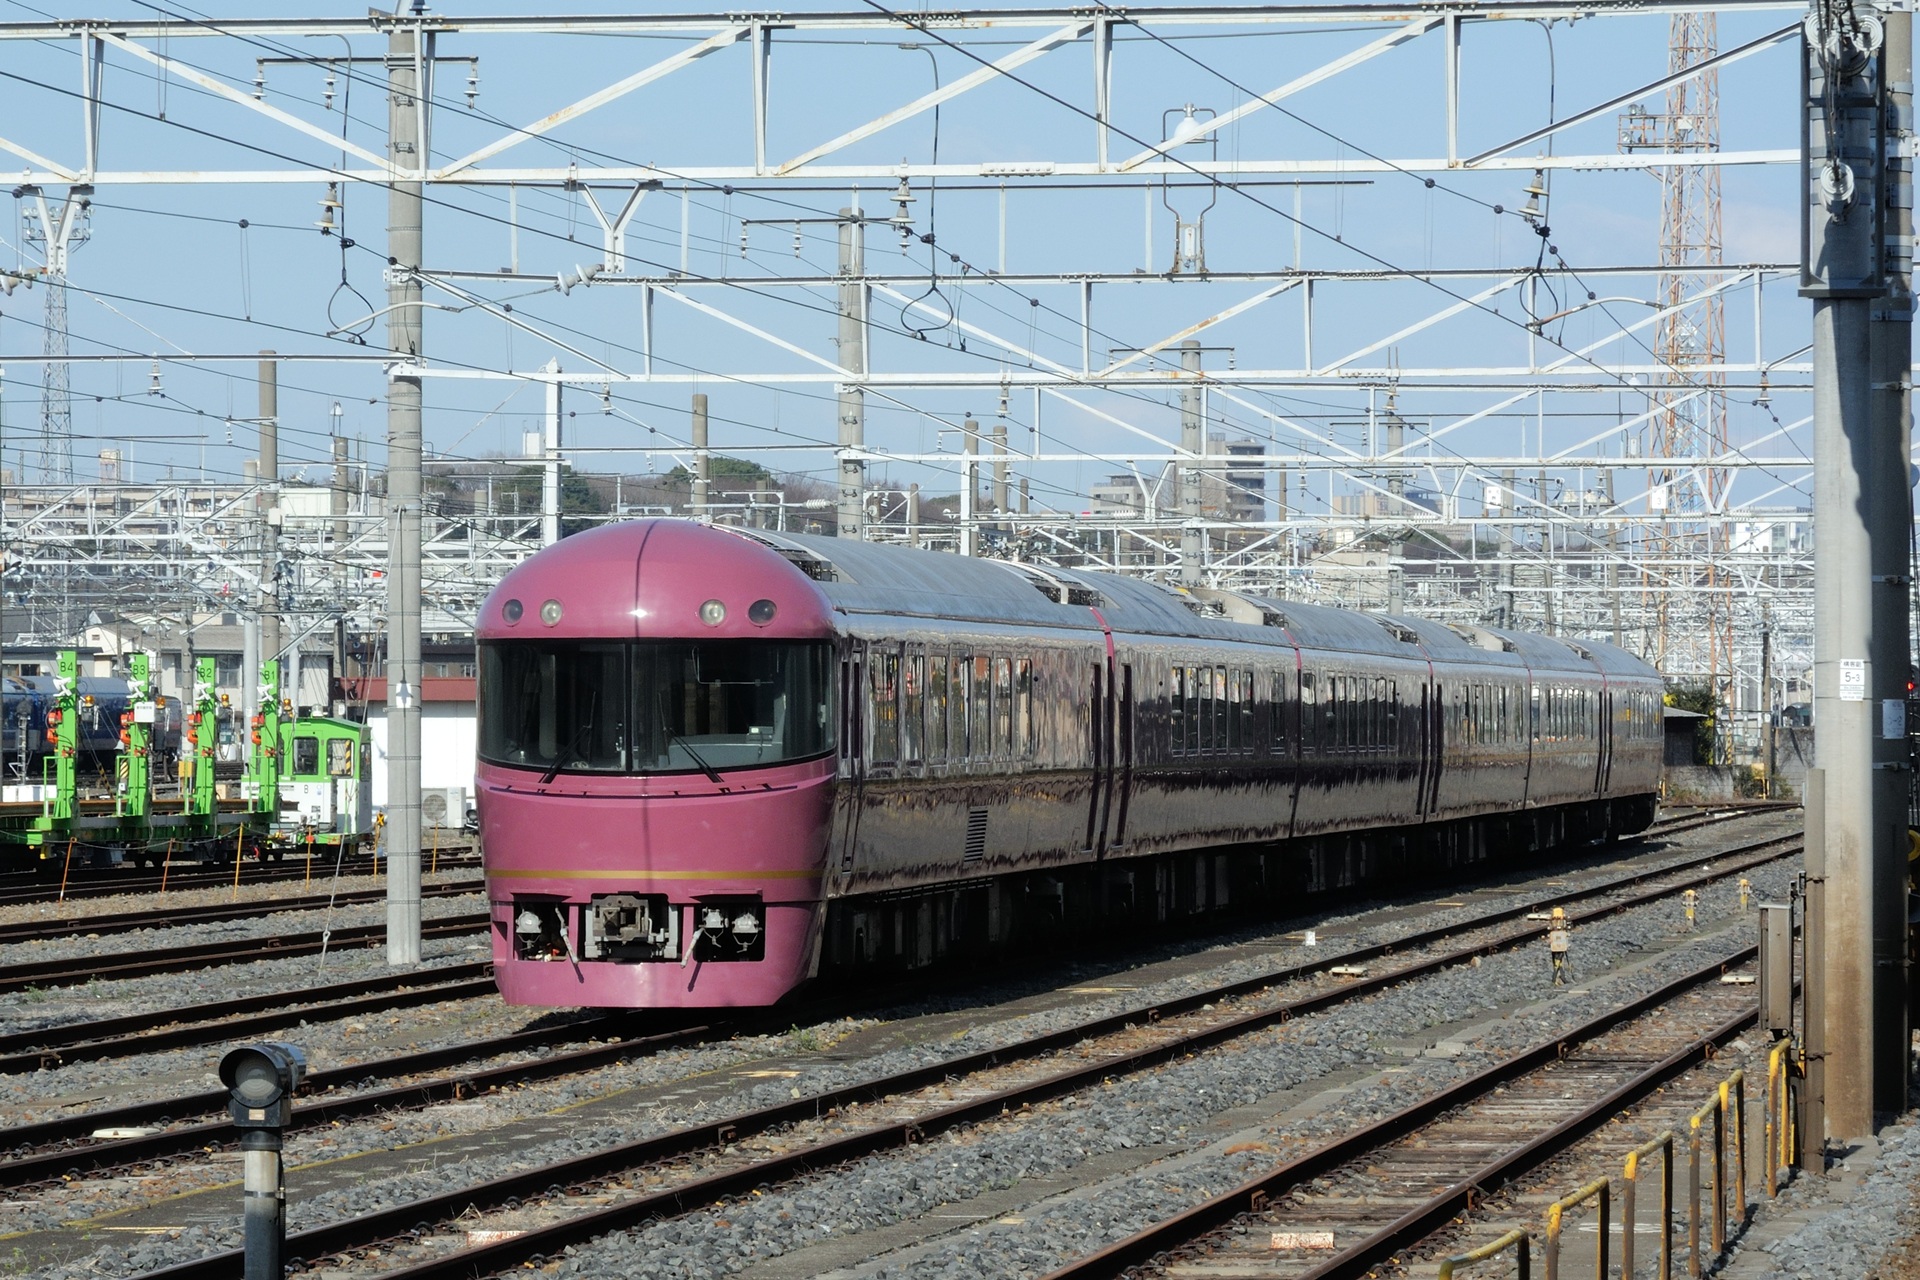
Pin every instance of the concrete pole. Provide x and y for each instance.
(550, 460)
(851, 508)
(342, 482)
(1001, 470)
(406, 115)
(1845, 197)
(1026, 497)
(1890, 504)
(270, 629)
(702, 477)
(913, 515)
(1193, 439)
(1813, 1003)
(1844, 746)
(969, 487)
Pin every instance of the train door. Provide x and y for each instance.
(1125, 735)
(1603, 762)
(853, 699)
(1099, 760)
(1436, 718)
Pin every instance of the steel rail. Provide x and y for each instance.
(22, 887)
(124, 1152)
(1423, 1220)
(369, 1229)
(518, 1252)
(106, 1038)
(65, 973)
(172, 917)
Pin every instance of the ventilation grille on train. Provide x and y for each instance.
(976, 836)
(813, 566)
(1059, 590)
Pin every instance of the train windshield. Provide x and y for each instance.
(653, 707)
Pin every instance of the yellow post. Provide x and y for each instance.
(309, 855)
(239, 838)
(165, 864)
(65, 867)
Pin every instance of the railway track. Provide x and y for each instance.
(219, 1021)
(176, 917)
(36, 886)
(1676, 878)
(73, 972)
(1391, 1185)
(991, 1081)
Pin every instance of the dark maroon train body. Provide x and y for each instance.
(715, 763)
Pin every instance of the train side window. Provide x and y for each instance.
(1192, 737)
(1533, 714)
(306, 755)
(1203, 708)
(885, 735)
(913, 684)
(980, 734)
(936, 707)
(1023, 708)
(960, 696)
(1247, 739)
(1222, 711)
(1003, 707)
(1177, 712)
(1308, 719)
(1392, 705)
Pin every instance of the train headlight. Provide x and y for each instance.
(713, 613)
(761, 612)
(550, 612)
(511, 611)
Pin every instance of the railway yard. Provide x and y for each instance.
(1227, 1104)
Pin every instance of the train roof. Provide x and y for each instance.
(895, 581)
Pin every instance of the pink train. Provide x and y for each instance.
(716, 764)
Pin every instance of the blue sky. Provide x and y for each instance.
(169, 268)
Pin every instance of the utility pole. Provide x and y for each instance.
(407, 65)
(1001, 467)
(1890, 508)
(969, 487)
(1193, 439)
(269, 507)
(851, 512)
(1842, 271)
(550, 460)
(702, 475)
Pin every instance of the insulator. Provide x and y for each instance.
(473, 82)
(327, 91)
(259, 79)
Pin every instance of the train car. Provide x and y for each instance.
(324, 799)
(715, 764)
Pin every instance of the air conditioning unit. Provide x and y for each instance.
(443, 806)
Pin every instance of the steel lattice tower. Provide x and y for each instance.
(56, 391)
(1690, 340)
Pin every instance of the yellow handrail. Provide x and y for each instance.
(1630, 1177)
(1599, 1188)
(1516, 1237)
